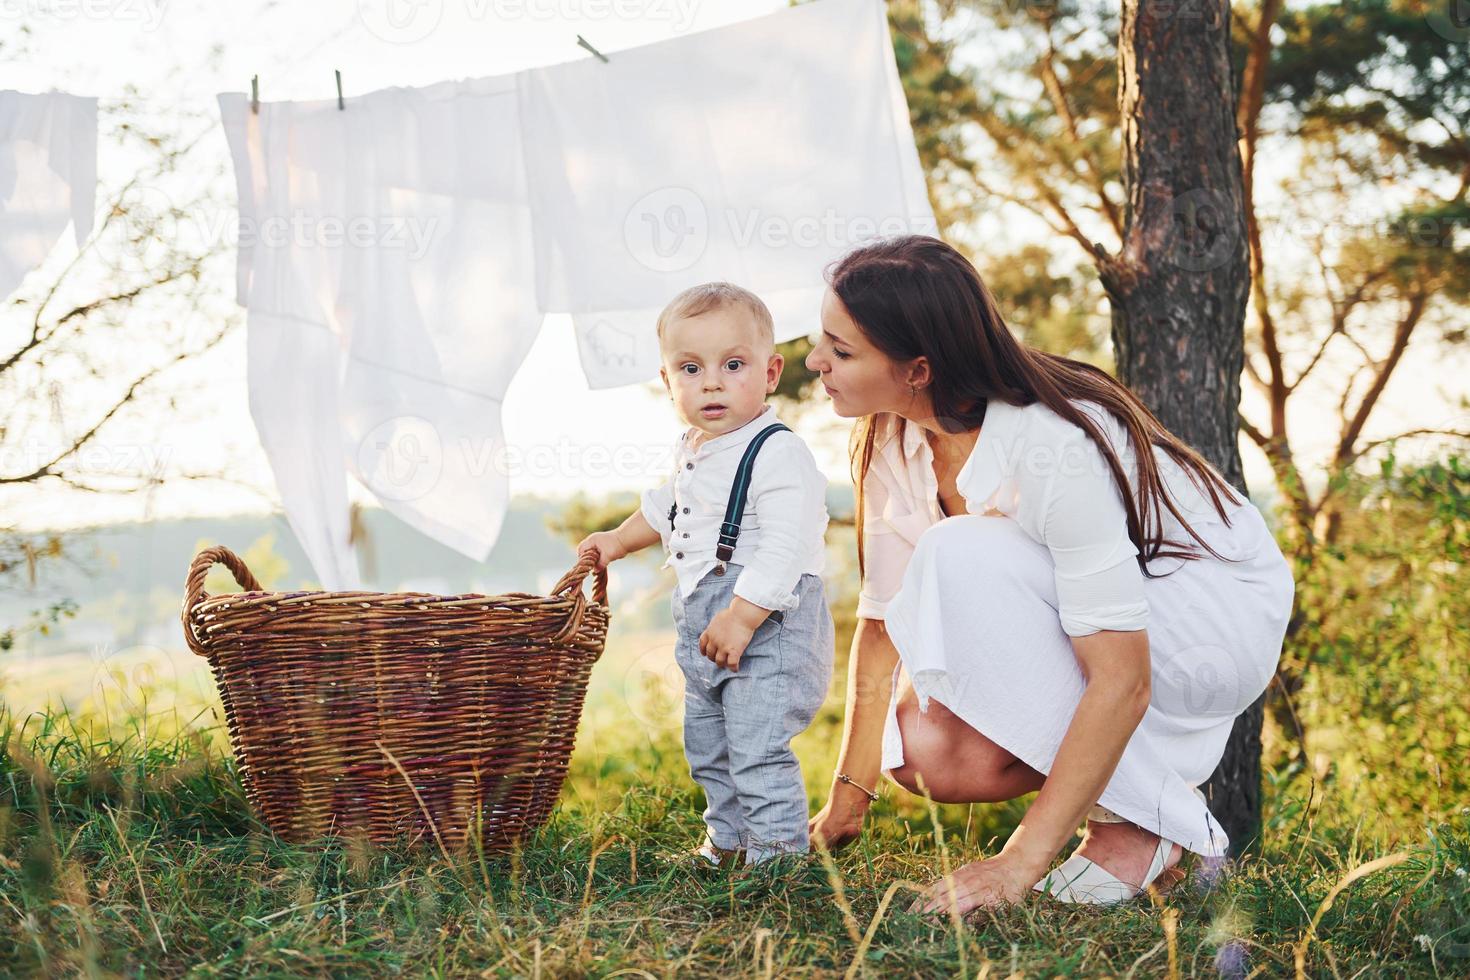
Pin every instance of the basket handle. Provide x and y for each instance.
(194, 585)
(572, 582)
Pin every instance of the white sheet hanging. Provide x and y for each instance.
(48, 176)
(784, 142)
(756, 153)
(385, 260)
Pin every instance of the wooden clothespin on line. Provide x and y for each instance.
(255, 92)
(582, 42)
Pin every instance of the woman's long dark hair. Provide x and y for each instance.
(914, 295)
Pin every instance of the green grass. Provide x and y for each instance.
(127, 847)
(129, 855)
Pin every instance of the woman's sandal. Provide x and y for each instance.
(1082, 881)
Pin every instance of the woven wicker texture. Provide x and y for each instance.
(399, 713)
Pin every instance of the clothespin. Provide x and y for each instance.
(340, 104)
(582, 41)
(255, 94)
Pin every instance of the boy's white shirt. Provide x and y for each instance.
(782, 532)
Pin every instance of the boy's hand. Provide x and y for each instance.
(605, 544)
(729, 632)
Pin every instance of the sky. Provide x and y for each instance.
(174, 59)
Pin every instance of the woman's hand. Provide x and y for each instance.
(1000, 880)
(605, 544)
(840, 822)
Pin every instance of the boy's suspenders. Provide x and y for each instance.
(735, 509)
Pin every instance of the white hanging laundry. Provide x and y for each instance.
(395, 281)
(757, 153)
(48, 176)
(293, 348)
(386, 263)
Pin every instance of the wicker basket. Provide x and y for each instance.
(401, 713)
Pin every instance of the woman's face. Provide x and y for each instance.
(860, 378)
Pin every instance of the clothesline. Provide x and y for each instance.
(341, 103)
(757, 152)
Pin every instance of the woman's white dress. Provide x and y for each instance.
(982, 606)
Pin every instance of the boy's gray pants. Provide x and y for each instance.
(738, 725)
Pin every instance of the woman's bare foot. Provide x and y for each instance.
(1124, 850)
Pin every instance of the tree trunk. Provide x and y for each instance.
(1178, 288)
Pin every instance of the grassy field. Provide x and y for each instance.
(128, 849)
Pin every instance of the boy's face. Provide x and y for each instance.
(718, 369)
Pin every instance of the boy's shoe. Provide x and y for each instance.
(708, 855)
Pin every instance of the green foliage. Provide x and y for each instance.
(797, 385)
(1382, 633)
(584, 515)
(41, 621)
(1050, 296)
(1060, 312)
(261, 557)
(941, 98)
(20, 554)
(1379, 67)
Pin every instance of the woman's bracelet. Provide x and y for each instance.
(843, 777)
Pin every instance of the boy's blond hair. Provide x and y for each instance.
(710, 296)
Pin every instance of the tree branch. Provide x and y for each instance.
(1340, 313)
(1248, 113)
(1402, 334)
(1370, 446)
(46, 469)
(1097, 253)
(1057, 94)
(1255, 373)
(1256, 435)
(37, 338)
